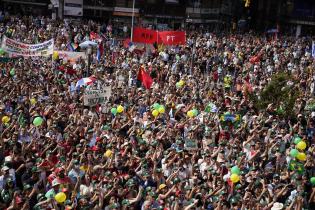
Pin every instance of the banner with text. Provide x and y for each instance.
(149, 36)
(20, 49)
(94, 97)
(172, 37)
(72, 57)
(144, 35)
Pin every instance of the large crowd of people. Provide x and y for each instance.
(193, 140)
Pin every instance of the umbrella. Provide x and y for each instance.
(87, 44)
(85, 81)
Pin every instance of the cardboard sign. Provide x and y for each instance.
(121, 80)
(94, 97)
(190, 144)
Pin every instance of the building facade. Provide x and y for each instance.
(290, 16)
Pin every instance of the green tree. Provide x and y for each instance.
(281, 92)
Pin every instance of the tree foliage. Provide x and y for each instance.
(281, 92)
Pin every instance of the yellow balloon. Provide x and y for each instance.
(5, 119)
(181, 82)
(234, 178)
(60, 197)
(33, 101)
(120, 109)
(161, 109)
(108, 153)
(301, 145)
(301, 156)
(155, 113)
(190, 113)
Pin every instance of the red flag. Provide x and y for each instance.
(145, 78)
(143, 35)
(172, 37)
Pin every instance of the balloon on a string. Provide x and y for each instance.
(297, 140)
(156, 106)
(38, 121)
(161, 109)
(294, 152)
(113, 111)
(60, 197)
(5, 119)
(155, 113)
(301, 145)
(235, 178)
(235, 170)
(301, 156)
(190, 114)
(120, 109)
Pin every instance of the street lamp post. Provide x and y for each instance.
(132, 20)
(89, 53)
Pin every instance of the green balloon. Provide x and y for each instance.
(297, 140)
(195, 112)
(178, 85)
(156, 106)
(294, 152)
(113, 111)
(1, 51)
(235, 170)
(12, 72)
(313, 180)
(38, 121)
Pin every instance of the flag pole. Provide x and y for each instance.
(132, 20)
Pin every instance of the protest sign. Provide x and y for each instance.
(94, 97)
(16, 48)
(190, 144)
(121, 80)
(72, 57)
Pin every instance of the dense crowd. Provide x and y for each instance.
(193, 140)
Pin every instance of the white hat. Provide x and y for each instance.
(277, 206)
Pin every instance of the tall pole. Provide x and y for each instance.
(132, 19)
(60, 9)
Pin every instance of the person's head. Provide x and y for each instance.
(76, 165)
(60, 172)
(9, 182)
(162, 188)
(276, 178)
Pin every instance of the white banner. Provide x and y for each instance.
(94, 97)
(72, 57)
(18, 48)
